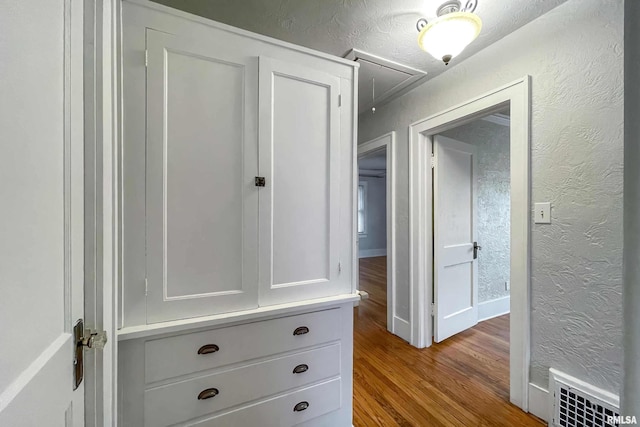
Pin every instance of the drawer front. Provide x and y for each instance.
(177, 402)
(279, 412)
(185, 354)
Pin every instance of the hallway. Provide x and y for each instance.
(463, 381)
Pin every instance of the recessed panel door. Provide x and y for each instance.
(299, 206)
(201, 201)
(455, 266)
(42, 193)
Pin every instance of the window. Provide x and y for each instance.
(362, 208)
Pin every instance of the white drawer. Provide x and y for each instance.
(177, 402)
(179, 355)
(279, 412)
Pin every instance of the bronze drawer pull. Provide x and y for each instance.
(300, 369)
(301, 407)
(208, 393)
(301, 330)
(208, 349)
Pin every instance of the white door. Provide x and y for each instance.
(455, 269)
(300, 204)
(202, 161)
(41, 236)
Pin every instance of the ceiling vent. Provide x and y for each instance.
(578, 404)
(391, 79)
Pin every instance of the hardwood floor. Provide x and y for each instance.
(463, 381)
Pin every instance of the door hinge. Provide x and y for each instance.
(339, 100)
(339, 267)
(146, 58)
(84, 339)
(433, 309)
(146, 287)
(433, 160)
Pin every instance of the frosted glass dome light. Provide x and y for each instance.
(448, 35)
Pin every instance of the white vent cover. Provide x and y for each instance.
(579, 404)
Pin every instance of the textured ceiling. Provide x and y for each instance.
(385, 28)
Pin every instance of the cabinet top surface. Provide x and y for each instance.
(143, 331)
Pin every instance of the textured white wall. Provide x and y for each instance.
(631, 391)
(493, 203)
(574, 55)
(376, 215)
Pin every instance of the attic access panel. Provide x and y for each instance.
(391, 79)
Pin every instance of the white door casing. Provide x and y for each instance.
(41, 186)
(301, 199)
(517, 96)
(202, 161)
(454, 219)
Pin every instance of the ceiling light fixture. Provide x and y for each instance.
(452, 31)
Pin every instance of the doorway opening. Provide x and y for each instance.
(424, 266)
(376, 228)
(471, 204)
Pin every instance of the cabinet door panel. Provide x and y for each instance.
(201, 162)
(299, 207)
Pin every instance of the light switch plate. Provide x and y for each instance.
(542, 213)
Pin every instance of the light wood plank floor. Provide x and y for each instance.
(463, 381)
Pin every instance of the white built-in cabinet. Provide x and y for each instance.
(237, 253)
(218, 116)
(201, 163)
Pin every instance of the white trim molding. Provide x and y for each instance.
(387, 142)
(515, 95)
(108, 139)
(539, 402)
(494, 308)
(402, 328)
(498, 119)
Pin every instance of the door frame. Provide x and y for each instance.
(102, 194)
(387, 142)
(517, 95)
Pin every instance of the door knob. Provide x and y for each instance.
(476, 248)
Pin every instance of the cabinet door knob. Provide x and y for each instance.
(208, 349)
(301, 330)
(300, 369)
(301, 407)
(208, 393)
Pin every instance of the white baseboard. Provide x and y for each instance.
(370, 253)
(401, 328)
(539, 402)
(493, 308)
